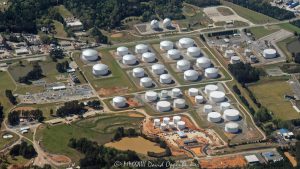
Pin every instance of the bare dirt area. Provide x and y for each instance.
(117, 35)
(60, 159)
(103, 92)
(133, 102)
(224, 162)
(291, 159)
(135, 115)
(24, 108)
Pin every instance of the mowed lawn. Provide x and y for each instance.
(59, 28)
(261, 31)
(101, 129)
(6, 83)
(64, 11)
(271, 95)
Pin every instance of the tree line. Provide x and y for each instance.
(11, 97)
(35, 74)
(24, 150)
(14, 116)
(69, 108)
(244, 72)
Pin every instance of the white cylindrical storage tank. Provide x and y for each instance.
(210, 88)
(176, 119)
(269, 53)
(186, 42)
(90, 55)
(158, 69)
(138, 72)
(172, 125)
(191, 75)
(211, 73)
(183, 65)
(119, 102)
(164, 94)
(148, 57)
(141, 48)
(181, 125)
(179, 103)
(151, 96)
(122, 50)
(217, 96)
(247, 52)
(146, 82)
(203, 62)
(229, 53)
(207, 108)
(163, 126)
(165, 79)
(163, 106)
(193, 92)
(166, 45)
(224, 106)
(214, 117)
(100, 69)
(193, 51)
(231, 114)
(156, 122)
(232, 127)
(235, 59)
(166, 120)
(167, 23)
(199, 99)
(129, 60)
(176, 92)
(174, 54)
(154, 24)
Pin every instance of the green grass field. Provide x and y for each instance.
(274, 99)
(64, 11)
(6, 82)
(289, 27)
(100, 129)
(6, 142)
(283, 46)
(248, 14)
(59, 28)
(261, 31)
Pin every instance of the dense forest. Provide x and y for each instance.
(244, 73)
(265, 8)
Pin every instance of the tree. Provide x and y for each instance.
(236, 89)
(11, 97)
(244, 73)
(13, 118)
(263, 115)
(297, 58)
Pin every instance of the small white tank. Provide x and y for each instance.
(174, 54)
(224, 106)
(165, 79)
(151, 96)
(119, 102)
(269, 53)
(214, 117)
(217, 96)
(164, 94)
(167, 23)
(122, 50)
(179, 103)
(158, 69)
(146, 82)
(166, 45)
(100, 69)
(138, 72)
(186, 42)
(141, 48)
(129, 59)
(232, 127)
(148, 57)
(207, 108)
(156, 122)
(199, 99)
(210, 88)
(191, 75)
(231, 114)
(194, 51)
(163, 126)
(235, 59)
(247, 52)
(193, 92)
(176, 92)
(166, 120)
(183, 65)
(181, 125)
(211, 73)
(163, 106)
(172, 125)
(203, 62)
(154, 24)
(229, 54)
(176, 119)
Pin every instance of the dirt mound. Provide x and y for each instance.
(112, 91)
(117, 35)
(224, 162)
(24, 108)
(60, 159)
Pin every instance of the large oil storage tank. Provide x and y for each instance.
(199, 99)
(181, 125)
(148, 57)
(231, 114)
(166, 45)
(151, 96)
(156, 122)
(269, 53)
(193, 92)
(214, 117)
(129, 59)
(217, 96)
(194, 51)
(90, 55)
(183, 65)
(191, 75)
(179, 103)
(100, 69)
(119, 102)
(154, 24)
(122, 50)
(138, 72)
(146, 82)
(174, 54)
(141, 48)
(207, 108)
(163, 106)
(158, 69)
(176, 119)
(203, 62)
(163, 126)
(224, 106)
(186, 42)
(165, 79)
(235, 59)
(229, 53)
(172, 125)
(210, 88)
(232, 127)
(176, 92)
(167, 23)
(166, 120)
(211, 73)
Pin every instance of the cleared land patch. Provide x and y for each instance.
(261, 31)
(225, 11)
